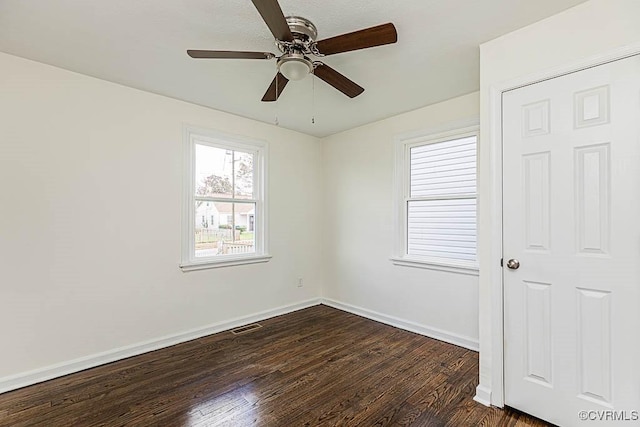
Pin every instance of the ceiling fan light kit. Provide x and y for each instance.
(294, 66)
(295, 37)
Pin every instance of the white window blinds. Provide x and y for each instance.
(441, 204)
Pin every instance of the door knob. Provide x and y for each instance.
(513, 264)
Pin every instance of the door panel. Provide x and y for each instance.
(571, 182)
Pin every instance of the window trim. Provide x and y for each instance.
(403, 143)
(191, 136)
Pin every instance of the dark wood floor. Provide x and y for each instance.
(314, 367)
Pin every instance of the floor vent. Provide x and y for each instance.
(246, 329)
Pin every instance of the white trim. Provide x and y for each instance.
(231, 142)
(495, 391)
(495, 270)
(24, 379)
(403, 142)
(483, 395)
(224, 262)
(407, 325)
(470, 269)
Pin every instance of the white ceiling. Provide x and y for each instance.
(142, 44)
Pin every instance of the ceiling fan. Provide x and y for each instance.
(296, 39)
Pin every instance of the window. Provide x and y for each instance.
(224, 185)
(436, 183)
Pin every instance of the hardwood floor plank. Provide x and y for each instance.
(314, 367)
(433, 376)
(355, 399)
(404, 384)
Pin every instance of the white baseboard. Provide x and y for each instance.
(24, 379)
(483, 395)
(451, 338)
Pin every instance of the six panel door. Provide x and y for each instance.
(571, 200)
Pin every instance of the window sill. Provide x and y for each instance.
(226, 262)
(468, 268)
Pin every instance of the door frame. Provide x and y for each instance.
(495, 394)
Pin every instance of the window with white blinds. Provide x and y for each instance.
(441, 207)
(437, 177)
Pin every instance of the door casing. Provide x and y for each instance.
(494, 394)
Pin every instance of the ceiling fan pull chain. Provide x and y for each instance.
(313, 98)
(277, 101)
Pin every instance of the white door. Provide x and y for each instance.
(571, 194)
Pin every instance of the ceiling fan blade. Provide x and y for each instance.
(337, 80)
(362, 39)
(274, 18)
(279, 82)
(229, 54)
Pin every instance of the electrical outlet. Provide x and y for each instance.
(300, 282)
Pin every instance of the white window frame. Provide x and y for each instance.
(403, 145)
(193, 136)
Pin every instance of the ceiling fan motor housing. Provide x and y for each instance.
(302, 28)
(304, 37)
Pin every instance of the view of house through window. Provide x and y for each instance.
(225, 202)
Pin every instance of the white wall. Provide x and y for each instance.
(358, 230)
(84, 267)
(86, 270)
(585, 31)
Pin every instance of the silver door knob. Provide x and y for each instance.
(513, 264)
